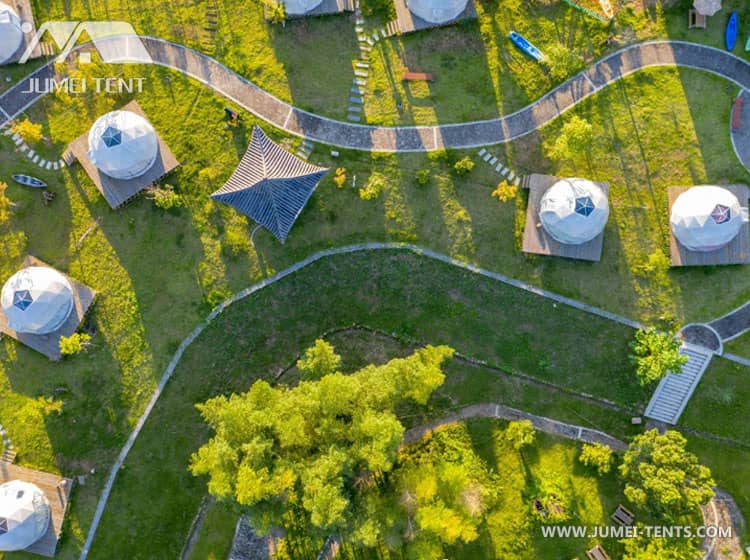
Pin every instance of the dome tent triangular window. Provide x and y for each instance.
(584, 205)
(22, 299)
(721, 214)
(112, 137)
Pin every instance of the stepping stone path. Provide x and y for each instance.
(362, 65)
(304, 150)
(24, 148)
(493, 160)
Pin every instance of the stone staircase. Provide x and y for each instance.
(674, 390)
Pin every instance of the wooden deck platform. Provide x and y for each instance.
(328, 7)
(57, 489)
(736, 252)
(117, 191)
(49, 344)
(536, 240)
(407, 22)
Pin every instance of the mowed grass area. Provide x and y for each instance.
(262, 335)
(156, 271)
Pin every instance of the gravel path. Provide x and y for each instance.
(414, 138)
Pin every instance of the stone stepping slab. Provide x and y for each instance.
(358, 91)
(511, 176)
(361, 73)
(357, 100)
(487, 156)
(24, 147)
(493, 161)
(62, 163)
(499, 167)
(362, 64)
(482, 152)
(359, 82)
(355, 109)
(36, 158)
(353, 118)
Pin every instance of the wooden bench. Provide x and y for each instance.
(623, 516)
(736, 112)
(696, 20)
(418, 76)
(597, 553)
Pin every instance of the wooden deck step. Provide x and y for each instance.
(8, 456)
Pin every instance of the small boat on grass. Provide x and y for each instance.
(730, 37)
(29, 181)
(526, 46)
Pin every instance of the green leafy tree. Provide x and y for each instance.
(422, 176)
(310, 452)
(646, 547)
(575, 138)
(655, 354)
(319, 360)
(597, 455)
(520, 433)
(661, 475)
(74, 344)
(444, 488)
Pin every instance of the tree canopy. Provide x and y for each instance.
(655, 354)
(646, 547)
(661, 475)
(307, 450)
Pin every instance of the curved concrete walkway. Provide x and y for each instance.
(413, 138)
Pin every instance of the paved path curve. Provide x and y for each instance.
(414, 138)
(541, 423)
(167, 375)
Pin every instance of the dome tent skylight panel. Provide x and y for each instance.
(584, 205)
(22, 299)
(721, 214)
(112, 137)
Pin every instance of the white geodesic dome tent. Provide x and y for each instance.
(437, 11)
(574, 211)
(37, 300)
(705, 218)
(300, 7)
(11, 33)
(24, 515)
(123, 145)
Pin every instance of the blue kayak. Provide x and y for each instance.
(731, 35)
(29, 181)
(526, 47)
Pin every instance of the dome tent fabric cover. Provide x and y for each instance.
(574, 211)
(11, 34)
(300, 7)
(123, 145)
(24, 515)
(270, 185)
(705, 218)
(437, 11)
(37, 300)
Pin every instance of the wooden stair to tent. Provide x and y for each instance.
(8, 456)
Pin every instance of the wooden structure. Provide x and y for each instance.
(407, 22)
(623, 516)
(536, 240)
(49, 344)
(57, 489)
(418, 76)
(119, 191)
(736, 252)
(597, 553)
(696, 20)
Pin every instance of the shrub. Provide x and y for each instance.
(340, 178)
(598, 456)
(30, 132)
(74, 344)
(216, 296)
(505, 191)
(520, 433)
(562, 61)
(575, 137)
(372, 190)
(422, 176)
(276, 13)
(464, 165)
(655, 354)
(165, 197)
